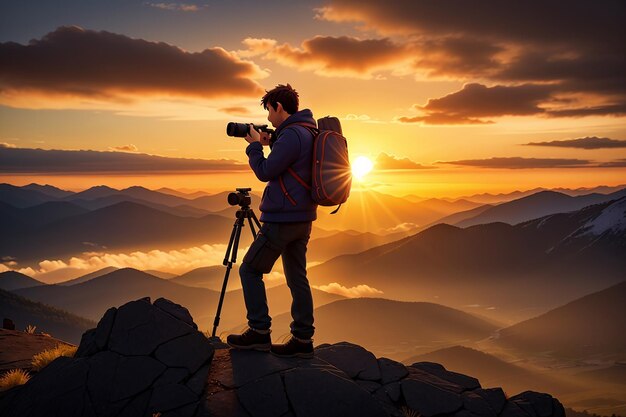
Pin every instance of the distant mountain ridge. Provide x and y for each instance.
(537, 205)
(540, 258)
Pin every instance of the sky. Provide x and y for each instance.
(446, 98)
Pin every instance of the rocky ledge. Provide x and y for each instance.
(147, 359)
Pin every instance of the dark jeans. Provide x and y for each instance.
(274, 240)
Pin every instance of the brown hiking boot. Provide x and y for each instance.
(294, 348)
(250, 339)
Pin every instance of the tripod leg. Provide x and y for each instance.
(234, 241)
(258, 223)
(230, 241)
(252, 227)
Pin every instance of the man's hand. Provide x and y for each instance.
(265, 139)
(253, 135)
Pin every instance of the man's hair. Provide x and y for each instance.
(283, 94)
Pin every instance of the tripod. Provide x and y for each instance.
(245, 212)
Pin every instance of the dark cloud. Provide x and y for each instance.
(22, 160)
(87, 63)
(531, 21)
(329, 55)
(476, 100)
(390, 162)
(592, 142)
(573, 50)
(522, 163)
(619, 163)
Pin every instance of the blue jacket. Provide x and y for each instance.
(292, 148)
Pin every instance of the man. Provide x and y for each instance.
(287, 213)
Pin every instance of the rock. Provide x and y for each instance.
(103, 330)
(140, 359)
(264, 397)
(369, 386)
(88, 346)
(467, 382)
(319, 392)
(222, 404)
(541, 403)
(354, 360)
(477, 405)
(140, 328)
(393, 390)
(249, 365)
(494, 396)
(197, 382)
(429, 400)
(135, 374)
(391, 370)
(176, 310)
(189, 351)
(511, 409)
(169, 397)
(423, 376)
(171, 376)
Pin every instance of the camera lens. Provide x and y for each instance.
(233, 199)
(239, 130)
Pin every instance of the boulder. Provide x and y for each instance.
(141, 359)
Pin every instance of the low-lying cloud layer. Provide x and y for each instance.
(529, 163)
(592, 142)
(352, 292)
(127, 160)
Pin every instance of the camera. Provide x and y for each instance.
(240, 130)
(241, 197)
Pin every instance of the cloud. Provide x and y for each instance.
(619, 163)
(256, 47)
(402, 227)
(592, 142)
(361, 117)
(522, 163)
(390, 162)
(574, 52)
(352, 292)
(72, 62)
(236, 110)
(183, 7)
(7, 145)
(340, 56)
(22, 160)
(125, 148)
(174, 261)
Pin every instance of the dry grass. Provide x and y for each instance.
(13, 378)
(409, 412)
(30, 329)
(41, 360)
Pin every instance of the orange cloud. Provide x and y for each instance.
(340, 56)
(391, 162)
(99, 65)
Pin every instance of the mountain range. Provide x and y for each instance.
(486, 267)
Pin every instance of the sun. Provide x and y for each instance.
(361, 166)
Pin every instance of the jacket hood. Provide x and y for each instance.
(302, 116)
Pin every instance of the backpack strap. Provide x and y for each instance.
(289, 197)
(313, 129)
